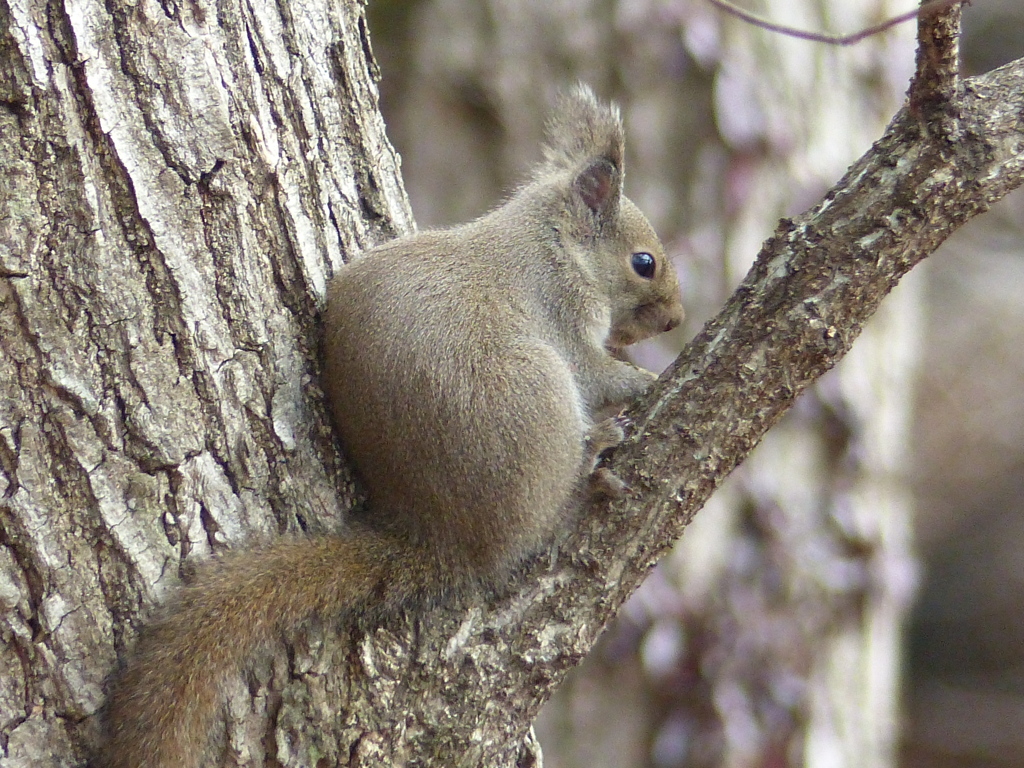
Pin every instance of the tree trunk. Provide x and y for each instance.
(180, 184)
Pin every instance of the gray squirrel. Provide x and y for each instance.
(471, 373)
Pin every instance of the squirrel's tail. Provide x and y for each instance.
(162, 707)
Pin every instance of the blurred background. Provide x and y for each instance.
(854, 595)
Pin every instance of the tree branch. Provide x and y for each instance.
(934, 92)
(927, 8)
(798, 311)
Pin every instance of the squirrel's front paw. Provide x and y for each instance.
(600, 437)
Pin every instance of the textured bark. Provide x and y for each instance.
(178, 183)
(183, 181)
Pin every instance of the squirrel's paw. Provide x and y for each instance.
(600, 437)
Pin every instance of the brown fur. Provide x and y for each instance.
(469, 374)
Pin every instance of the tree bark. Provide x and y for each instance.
(180, 183)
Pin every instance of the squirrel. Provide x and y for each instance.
(472, 373)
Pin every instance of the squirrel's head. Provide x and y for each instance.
(625, 261)
(639, 279)
(613, 240)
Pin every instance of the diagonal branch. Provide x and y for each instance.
(797, 312)
(815, 283)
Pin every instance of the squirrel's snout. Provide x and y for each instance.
(675, 317)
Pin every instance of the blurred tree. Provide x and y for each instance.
(966, 651)
(772, 635)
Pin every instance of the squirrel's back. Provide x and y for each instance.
(475, 382)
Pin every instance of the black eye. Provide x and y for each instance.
(643, 264)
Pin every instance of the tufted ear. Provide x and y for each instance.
(598, 186)
(580, 130)
(585, 146)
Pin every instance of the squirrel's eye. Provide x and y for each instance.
(643, 264)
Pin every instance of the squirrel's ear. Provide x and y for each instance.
(598, 186)
(580, 130)
(585, 144)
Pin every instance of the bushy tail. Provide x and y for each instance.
(162, 707)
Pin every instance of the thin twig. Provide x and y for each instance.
(925, 9)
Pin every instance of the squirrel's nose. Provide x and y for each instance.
(675, 317)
